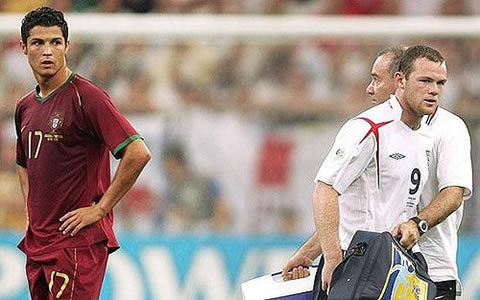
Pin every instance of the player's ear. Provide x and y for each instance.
(67, 46)
(23, 46)
(399, 79)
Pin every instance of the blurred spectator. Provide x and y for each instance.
(226, 76)
(190, 6)
(230, 6)
(306, 7)
(353, 70)
(139, 6)
(236, 69)
(362, 7)
(62, 5)
(104, 73)
(271, 87)
(15, 64)
(194, 202)
(272, 208)
(455, 7)
(137, 98)
(472, 7)
(138, 210)
(110, 6)
(275, 7)
(420, 8)
(22, 5)
(12, 213)
(84, 5)
(193, 62)
(14, 90)
(288, 221)
(469, 100)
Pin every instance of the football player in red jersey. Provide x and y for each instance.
(66, 128)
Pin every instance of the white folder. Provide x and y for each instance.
(272, 286)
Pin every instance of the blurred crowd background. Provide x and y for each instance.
(352, 7)
(237, 129)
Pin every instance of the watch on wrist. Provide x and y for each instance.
(422, 225)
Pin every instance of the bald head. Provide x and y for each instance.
(382, 84)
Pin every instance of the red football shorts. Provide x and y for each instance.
(70, 273)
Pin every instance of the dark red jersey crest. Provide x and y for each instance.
(55, 122)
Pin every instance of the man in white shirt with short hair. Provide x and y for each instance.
(450, 169)
(378, 183)
(441, 204)
(379, 89)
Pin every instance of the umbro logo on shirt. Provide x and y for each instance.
(397, 156)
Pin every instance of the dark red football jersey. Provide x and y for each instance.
(64, 141)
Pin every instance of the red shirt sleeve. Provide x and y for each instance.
(106, 122)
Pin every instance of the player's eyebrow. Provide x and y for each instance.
(43, 39)
(443, 81)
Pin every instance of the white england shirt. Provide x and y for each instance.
(379, 166)
(451, 166)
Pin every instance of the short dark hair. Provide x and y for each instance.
(415, 52)
(43, 16)
(395, 52)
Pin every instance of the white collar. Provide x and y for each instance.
(395, 106)
(429, 119)
(397, 111)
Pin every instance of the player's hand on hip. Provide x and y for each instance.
(74, 221)
(296, 267)
(327, 271)
(408, 234)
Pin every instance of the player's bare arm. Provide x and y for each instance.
(327, 216)
(446, 202)
(136, 155)
(23, 178)
(297, 266)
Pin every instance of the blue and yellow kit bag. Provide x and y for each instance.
(376, 266)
